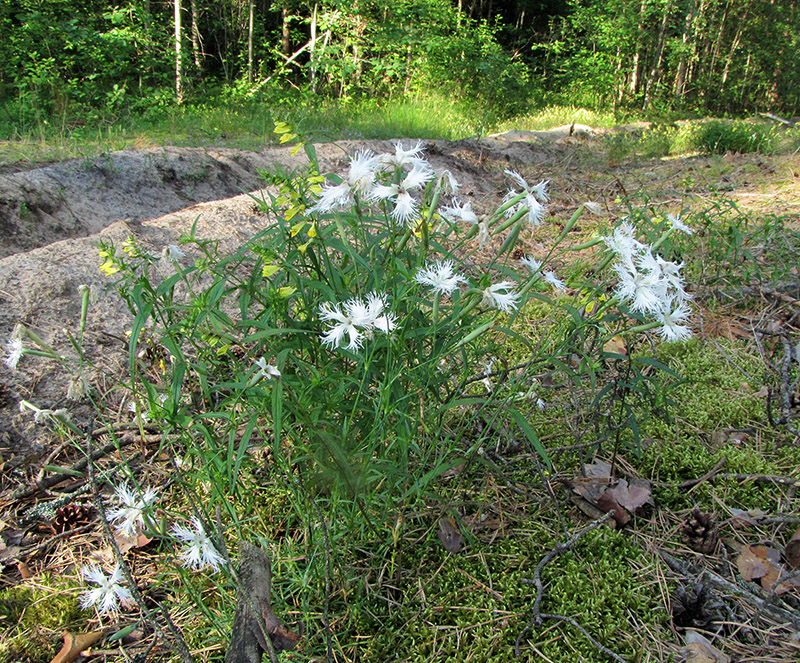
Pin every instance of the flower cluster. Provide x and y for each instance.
(395, 178)
(128, 519)
(357, 318)
(649, 284)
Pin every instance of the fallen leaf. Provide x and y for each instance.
(24, 571)
(75, 644)
(127, 543)
(753, 562)
(449, 535)
(700, 650)
(589, 489)
(615, 345)
(607, 502)
(751, 517)
(762, 563)
(631, 495)
(624, 496)
(792, 551)
(599, 469)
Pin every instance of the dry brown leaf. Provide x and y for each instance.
(759, 562)
(607, 502)
(631, 495)
(75, 644)
(615, 345)
(700, 650)
(599, 469)
(127, 543)
(751, 517)
(449, 535)
(792, 551)
(589, 489)
(24, 571)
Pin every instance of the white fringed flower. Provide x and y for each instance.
(199, 551)
(534, 200)
(440, 276)
(501, 296)
(14, 352)
(128, 518)
(109, 594)
(356, 319)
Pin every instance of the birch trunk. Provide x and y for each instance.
(178, 54)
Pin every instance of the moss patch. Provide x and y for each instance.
(32, 615)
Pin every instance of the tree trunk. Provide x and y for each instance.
(734, 47)
(683, 65)
(250, 44)
(285, 45)
(197, 39)
(655, 73)
(313, 49)
(178, 54)
(634, 82)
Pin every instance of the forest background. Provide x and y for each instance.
(70, 64)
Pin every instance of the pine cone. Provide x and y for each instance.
(71, 516)
(695, 607)
(699, 532)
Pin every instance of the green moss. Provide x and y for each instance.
(472, 606)
(32, 616)
(717, 393)
(674, 463)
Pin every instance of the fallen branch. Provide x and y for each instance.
(257, 630)
(693, 482)
(765, 478)
(80, 465)
(559, 549)
(572, 622)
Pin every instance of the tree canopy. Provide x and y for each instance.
(718, 56)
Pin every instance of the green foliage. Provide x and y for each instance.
(720, 136)
(707, 136)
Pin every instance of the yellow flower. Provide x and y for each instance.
(286, 291)
(296, 228)
(109, 267)
(269, 270)
(294, 210)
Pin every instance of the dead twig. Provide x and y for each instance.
(80, 465)
(594, 642)
(694, 482)
(764, 478)
(559, 549)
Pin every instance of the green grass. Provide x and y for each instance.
(249, 126)
(543, 119)
(705, 137)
